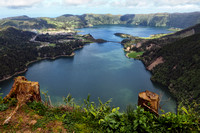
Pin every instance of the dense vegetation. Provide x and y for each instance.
(181, 68)
(181, 55)
(17, 49)
(98, 118)
(68, 21)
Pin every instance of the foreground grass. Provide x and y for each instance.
(37, 117)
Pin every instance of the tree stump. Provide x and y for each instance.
(149, 101)
(24, 91)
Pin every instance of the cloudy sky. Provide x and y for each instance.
(54, 8)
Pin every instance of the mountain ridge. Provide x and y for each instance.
(177, 20)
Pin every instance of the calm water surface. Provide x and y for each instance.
(101, 70)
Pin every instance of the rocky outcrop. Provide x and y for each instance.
(24, 91)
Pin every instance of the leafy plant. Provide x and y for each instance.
(3, 106)
(69, 100)
(96, 113)
(45, 97)
(38, 107)
(114, 121)
(141, 121)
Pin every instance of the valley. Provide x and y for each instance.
(81, 56)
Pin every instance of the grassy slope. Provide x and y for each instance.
(134, 54)
(36, 117)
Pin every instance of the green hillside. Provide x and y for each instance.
(19, 48)
(180, 65)
(173, 59)
(68, 21)
(24, 22)
(181, 68)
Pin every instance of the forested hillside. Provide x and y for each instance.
(181, 68)
(174, 61)
(177, 20)
(18, 48)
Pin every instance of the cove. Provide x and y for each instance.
(101, 70)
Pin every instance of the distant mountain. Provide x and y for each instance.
(177, 20)
(24, 17)
(25, 22)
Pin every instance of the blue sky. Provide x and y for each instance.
(54, 8)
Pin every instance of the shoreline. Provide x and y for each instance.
(28, 63)
(31, 62)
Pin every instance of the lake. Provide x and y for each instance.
(101, 70)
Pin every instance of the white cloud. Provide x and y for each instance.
(77, 2)
(59, 7)
(176, 2)
(85, 3)
(18, 3)
(154, 3)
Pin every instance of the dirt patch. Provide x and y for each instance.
(24, 120)
(138, 45)
(159, 60)
(21, 121)
(150, 46)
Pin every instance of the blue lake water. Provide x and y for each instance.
(101, 70)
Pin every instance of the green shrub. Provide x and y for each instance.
(38, 107)
(114, 122)
(3, 106)
(95, 113)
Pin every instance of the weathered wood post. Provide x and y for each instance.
(149, 101)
